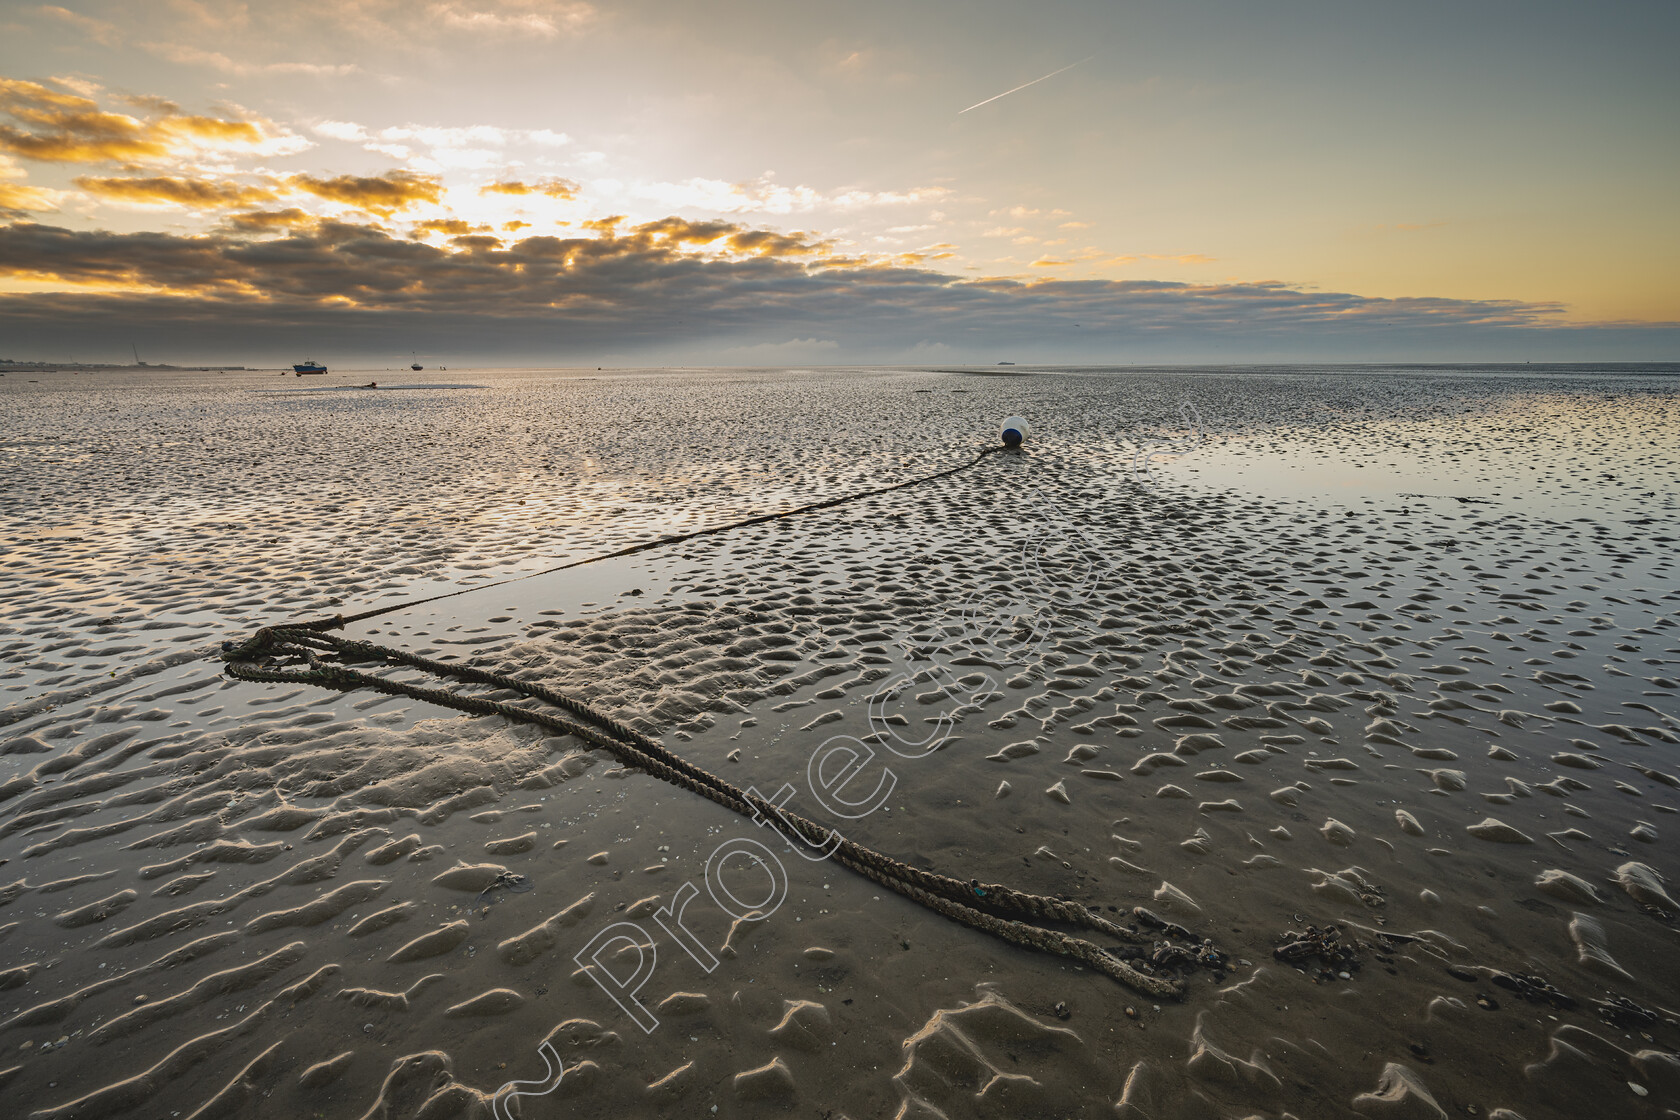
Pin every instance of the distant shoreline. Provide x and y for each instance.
(9, 366)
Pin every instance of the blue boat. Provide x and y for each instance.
(303, 368)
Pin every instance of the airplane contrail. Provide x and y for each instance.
(1024, 85)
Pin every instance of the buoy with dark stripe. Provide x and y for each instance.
(1013, 431)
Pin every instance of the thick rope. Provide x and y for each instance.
(983, 906)
(990, 907)
(338, 621)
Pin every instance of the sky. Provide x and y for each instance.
(747, 182)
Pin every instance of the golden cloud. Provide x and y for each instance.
(604, 226)
(16, 198)
(60, 127)
(682, 231)
(55, 127)
(377, 194)
(453, 226)
(764, 243)
(563, 189)
(201, 194)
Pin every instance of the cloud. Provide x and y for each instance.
(663, 280)
(54, 127)
(340, 130)
(455, 227)
(853, 200)
(764, 243)
(671, 231)
(378, 194)
(563, 189)
(551, 20)
(98, 30)
(194, 56)
(852, 62)
(353, 288)
(760, 196)
(198, 194)
(722, 237)
(148, 102)
(78, 85)
(1133, 258)
(432, 136)
(472, 147)
(373, 21)
(266, 221)
(17, 198)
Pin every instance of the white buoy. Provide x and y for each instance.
(1013, 431)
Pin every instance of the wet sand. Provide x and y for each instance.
(1394, 656)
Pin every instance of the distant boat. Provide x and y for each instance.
(304, 368)
(416, 367)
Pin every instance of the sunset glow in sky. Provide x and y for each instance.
(771, 182)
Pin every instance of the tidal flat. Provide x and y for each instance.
(1374, 683)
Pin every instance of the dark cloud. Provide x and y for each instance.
(203, 194)
(265, 221)
(646, 291)
(377, 194)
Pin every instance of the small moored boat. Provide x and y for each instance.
(304, 368)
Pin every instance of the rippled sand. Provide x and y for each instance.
(1395, 653)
